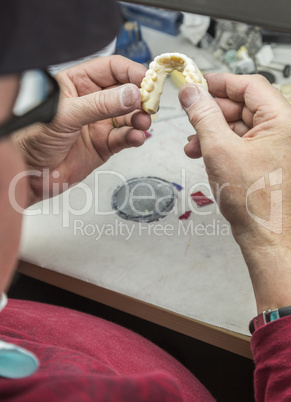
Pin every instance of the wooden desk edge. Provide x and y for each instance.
(220, 337)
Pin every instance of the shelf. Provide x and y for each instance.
(265, 13)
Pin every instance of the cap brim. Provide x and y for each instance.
(36, 34)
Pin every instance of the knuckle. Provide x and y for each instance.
(259, 77)
(101, 103)
(204, 112)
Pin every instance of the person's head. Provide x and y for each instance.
(35, 34)
(10, 164)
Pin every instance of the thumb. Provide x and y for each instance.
(204, 114)
(101, 105)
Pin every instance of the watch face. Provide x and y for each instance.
(268, 316)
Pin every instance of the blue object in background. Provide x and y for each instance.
(131, 45)
(165, 21)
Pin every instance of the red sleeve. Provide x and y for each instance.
(271, 347)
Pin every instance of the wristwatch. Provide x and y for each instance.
(268, 316)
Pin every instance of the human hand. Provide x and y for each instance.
(82, 136)
(244, 135)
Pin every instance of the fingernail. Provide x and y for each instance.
(127, 96)
(189, 95)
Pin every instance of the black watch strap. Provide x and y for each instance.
(268, 316)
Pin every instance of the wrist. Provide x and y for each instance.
(268, 316)
(32, 197)
(34, 176)
(270, 273)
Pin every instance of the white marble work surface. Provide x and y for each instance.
(192, 267)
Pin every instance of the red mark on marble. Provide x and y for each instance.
(186, 215)
(147, 134)
(201, 199)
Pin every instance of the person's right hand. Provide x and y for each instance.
(83, 136)
(244, 135)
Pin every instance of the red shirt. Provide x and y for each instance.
(85, 358)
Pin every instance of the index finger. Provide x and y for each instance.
(104, 72)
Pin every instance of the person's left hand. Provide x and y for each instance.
(82, 135)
